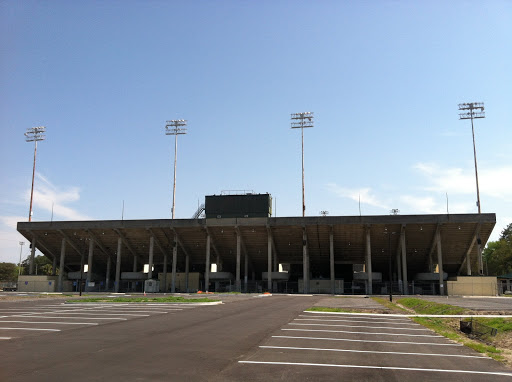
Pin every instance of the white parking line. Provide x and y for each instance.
(73, 318)
(359, 326)
(416, 315)
(361, 321)
(374, 352)
(94, 314)
(381, 334)
(373, 341)
(377, 367)
(56, 323)
(5, 338)
(48, 330)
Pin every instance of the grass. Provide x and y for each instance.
(429, 307)
(391, 306)
(144, 299)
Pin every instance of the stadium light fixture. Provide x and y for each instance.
(21, 250)
(301, 121)
(34, 134)
(175, 127)
(473, 110)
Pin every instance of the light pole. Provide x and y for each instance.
(175, 127)
(300, 121)
(471, 111)
(476, 110)
(34, 134)
(21, 249)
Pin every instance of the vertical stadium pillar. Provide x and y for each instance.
(269, 262)
(32, 256)
(246, 270)
(174, 261)
(54, 266)
(369, 261)
(399, 270)
(151, 252)
(207, 265)
(107, 275)
(187, 269)
(134, 269)
(404, 262)
(440, 263)
(118, 265)
(238, 250)
(331, 261)
(89, 264)
(164, 276)
(61, 264)
(468, 263)
(305, 263)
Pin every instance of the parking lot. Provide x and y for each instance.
(31, 319)
(247, 338)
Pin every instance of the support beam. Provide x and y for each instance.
(207, 265)
(440, 263)
(89, 264)
(32, 255)
(174, 263)
(118, 265)
(269, 260)
(404, 261)
(164, 278)
(187, 269)
(54, 266)
(151, 255)
(107, 276)
(369, 260)
(305, 262)
(98, 242)
(61, 264)
(157, 242)
(331, 261)
(246, 271)
(125, 241)
(70, 241)
(238, 254)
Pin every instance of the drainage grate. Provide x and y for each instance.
(477, 329)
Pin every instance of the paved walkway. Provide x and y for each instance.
(359, 302)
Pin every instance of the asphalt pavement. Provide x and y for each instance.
(252, 338)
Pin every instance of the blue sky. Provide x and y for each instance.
(383, 78)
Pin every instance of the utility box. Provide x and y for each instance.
(151, 286)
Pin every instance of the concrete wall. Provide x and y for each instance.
(47, 284)
(321, 286)
(472, 286)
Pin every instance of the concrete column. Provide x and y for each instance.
(305, 263)
(54, 266)
(399, 268)
(151, 253)
(61, 264)
(331, 262)
(107, 276)
(269, 262)
(479, 251)
(32, 256)
(404, 263)
(89, 264)
(238, 254)
(164, 278)
(135, 263)
(207, 267)
(174, 262)
(187, 269)
(246, 271)
(440, 263)
(118, 265)
(468, 263)
(276, 262)
(369, 261)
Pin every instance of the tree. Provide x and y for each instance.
(498, 254)
(8, 272)
(42, 265)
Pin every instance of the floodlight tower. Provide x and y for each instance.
(302, 120)
(175, 127)
(34, 134)
(476, 110)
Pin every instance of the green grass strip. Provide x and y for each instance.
(421, 306)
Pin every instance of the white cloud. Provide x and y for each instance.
(364, 194)
(47, 196)
(494, 182)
